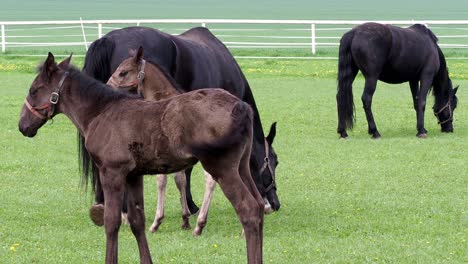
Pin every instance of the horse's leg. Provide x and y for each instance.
(113, 186)
(246, 205)
(162, 182)
(191, 205)
(425, 85)
(181, 185)
(248, 210)
(96, 212)
(345, 100)
(414, 92)
(369, 89)
(136, 216)
(210, 185)
(125, 209)
(246, 176)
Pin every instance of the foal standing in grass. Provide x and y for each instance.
(128, 137)
(149, 79)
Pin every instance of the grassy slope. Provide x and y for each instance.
(398, 199)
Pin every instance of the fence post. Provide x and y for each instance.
(312, 28)
(99, 26)
(3, 39)
(84, 35)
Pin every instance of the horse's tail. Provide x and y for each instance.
(98, 57)
(97, 65)
(88, 168)
(240, 130)
(346, 73)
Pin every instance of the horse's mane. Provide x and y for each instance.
(171, 80)
(92, 89)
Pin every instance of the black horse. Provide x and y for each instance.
(195, 59)
(394, 55)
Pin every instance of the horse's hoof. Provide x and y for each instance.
(344, 138)
(422, 135)
(193, 209)
(185, 226)
(197, 232)
(376, 137)
(153, 228)
(96, 213)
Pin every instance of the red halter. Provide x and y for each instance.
(49, 106)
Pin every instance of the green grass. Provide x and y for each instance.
(396, 200)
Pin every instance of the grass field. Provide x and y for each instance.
(395, 200)
(399, 199)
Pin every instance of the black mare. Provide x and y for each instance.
(195, 59)
(394, 55)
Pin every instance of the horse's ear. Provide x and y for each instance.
(65, 64)
(139, 55)
(455, 89)
(271, 134)
(49, 66)
(131, 52)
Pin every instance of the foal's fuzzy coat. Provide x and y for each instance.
(129, 137)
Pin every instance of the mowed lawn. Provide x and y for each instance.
(399, 199)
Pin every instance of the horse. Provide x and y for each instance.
(195, 59)
(137, 75)
(129, 137)
(394, 55)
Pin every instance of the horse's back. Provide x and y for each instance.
(209, 61)
(394, 54)
(157, 45)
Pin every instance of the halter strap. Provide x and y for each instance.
(41, 107)
(49, 106)
(267, 165)
(440, 111)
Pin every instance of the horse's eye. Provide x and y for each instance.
(123, 74)
(32, 92)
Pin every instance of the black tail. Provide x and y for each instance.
(347, 70)
(97, 65)
(98, 57)
(241, 129)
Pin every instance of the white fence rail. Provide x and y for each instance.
(235, 33)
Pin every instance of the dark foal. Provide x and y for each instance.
(394, 55)
(128, 137)
(150, 80)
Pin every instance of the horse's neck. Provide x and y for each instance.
(80, 110)
(157, 86)
(441, 84)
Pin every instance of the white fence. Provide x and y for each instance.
(235, 33)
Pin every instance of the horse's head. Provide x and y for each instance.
(130, 74)
(444, 112)
(41, 103)
(267, 173)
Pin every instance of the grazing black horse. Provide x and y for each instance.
(195, 59)
(394, 55)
